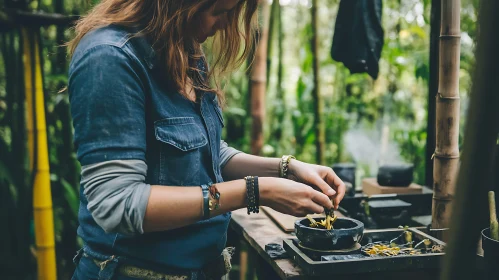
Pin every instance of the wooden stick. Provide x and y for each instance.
(494, 226)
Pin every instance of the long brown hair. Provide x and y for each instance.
(165, 24)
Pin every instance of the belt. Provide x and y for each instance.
(146, 274)
(213, 270)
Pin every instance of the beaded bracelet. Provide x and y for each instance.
(253, 194)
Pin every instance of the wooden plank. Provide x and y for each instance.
(370, 186)
(284, 221)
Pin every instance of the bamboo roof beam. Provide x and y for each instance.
(11, 18)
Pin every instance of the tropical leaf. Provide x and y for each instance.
(71, 197)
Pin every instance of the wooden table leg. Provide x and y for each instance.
(251, 265)
(246, 261)
(264, 271)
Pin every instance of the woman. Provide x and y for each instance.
(158, 184)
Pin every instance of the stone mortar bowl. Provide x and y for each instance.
(344, 235)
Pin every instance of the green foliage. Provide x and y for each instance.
(397, 98)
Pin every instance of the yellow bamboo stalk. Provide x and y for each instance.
(42, 197)
(446, 156)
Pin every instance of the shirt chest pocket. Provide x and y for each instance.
(180, 143)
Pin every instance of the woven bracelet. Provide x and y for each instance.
(253, 198)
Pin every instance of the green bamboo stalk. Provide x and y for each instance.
(271, 37)
(18, 235)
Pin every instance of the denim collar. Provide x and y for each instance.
(148, 51)
(145, 48)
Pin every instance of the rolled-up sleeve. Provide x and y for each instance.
(107, 100)
(117, 194)
(107, 105)
(226, 153)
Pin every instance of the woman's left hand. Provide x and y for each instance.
(321, 177)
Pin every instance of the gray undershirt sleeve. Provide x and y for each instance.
(117, 194)
(226, 153)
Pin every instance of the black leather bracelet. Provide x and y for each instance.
(206, 201)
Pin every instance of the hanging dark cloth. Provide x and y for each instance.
(358, 36)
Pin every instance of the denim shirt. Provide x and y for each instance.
(121, 110)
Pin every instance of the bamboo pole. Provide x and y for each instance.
(273, 21)
(280, 72)
(436, 6)
(258, 83)
(318, 100)
(37, 135)
(446, 156)
(12, 57)
(477, 170)
(60, 66)
(19, 137)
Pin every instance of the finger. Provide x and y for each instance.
(314, 208)
(333, 180)
(323, 186)
(340, 193)
(323, 200)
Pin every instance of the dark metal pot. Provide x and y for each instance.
(491, 255)
(345, 234)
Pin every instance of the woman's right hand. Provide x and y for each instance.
(290, 197)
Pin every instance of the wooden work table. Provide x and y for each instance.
(259, 230)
